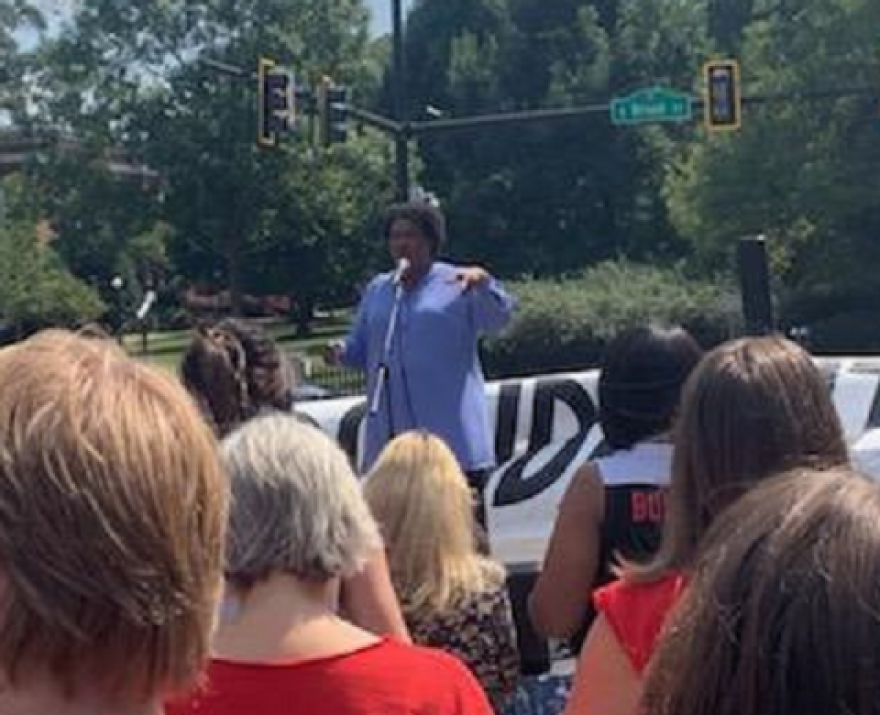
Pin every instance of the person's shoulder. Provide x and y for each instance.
(421, 659)
(648, 463)
(625, 594)
(448, 683)
(378, 281)
(636, 612)
(585, 494)
(444, 269)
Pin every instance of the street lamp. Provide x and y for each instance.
(117, 283)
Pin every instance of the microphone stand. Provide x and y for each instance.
(382, 386)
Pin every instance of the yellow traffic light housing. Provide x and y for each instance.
(722, 97)
(332, 112)
(276, 104)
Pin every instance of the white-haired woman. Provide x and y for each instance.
(299, 524)
(452, 596)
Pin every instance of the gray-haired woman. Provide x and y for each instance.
(298, 525)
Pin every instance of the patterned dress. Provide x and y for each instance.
(479, 630)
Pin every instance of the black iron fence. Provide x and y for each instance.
(316, 380)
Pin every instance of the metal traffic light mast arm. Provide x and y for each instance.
(226, 68)
(437, 126)
(375, 120)
(528, 116)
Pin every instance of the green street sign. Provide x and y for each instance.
(655, 104)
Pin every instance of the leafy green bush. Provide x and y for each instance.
(36, 290)
(565, 325)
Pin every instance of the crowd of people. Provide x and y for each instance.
(196, 547)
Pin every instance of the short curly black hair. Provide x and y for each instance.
(427, 218)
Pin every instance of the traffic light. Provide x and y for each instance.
(333, 112)
(723, 99)
(276, 102)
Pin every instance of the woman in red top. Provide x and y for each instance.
(752, 408)
(298, 525)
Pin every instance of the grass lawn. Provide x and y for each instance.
(166, 348)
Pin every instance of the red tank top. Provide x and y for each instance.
(636, 613)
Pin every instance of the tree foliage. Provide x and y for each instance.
(123, 83)
(130, 76)
(546, 198)
(801, 171)
(35, 287)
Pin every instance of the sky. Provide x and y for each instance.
(381, 11)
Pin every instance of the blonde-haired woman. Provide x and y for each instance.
(452, 596)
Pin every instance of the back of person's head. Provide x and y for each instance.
(236, 371)
(95, 331)
(782, 616)
(422, 501)
(112, 520)
(297, 508)
(752, 408)
(424, 216)
(640, 383)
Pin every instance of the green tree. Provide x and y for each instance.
(130, 75)
(95, 213)
(801, 171)
(550, 198)
(35, 288)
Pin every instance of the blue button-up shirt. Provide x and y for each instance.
(435, 381)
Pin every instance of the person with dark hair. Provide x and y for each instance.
(614, 505)
(429, 375)
(753, 408)
(235, 371)
(780, 616)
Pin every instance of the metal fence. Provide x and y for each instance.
(317, 380)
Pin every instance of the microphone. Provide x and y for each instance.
(402, 267)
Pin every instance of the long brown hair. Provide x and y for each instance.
(236, 371)
(752, 408)
(781, 614)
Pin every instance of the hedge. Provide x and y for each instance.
(564, 325)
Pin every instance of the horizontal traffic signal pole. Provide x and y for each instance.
(528, 116)
(818, 94)
(377, 121)
(440, 126)
(226, 68)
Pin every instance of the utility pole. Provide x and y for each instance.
(399, 84)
